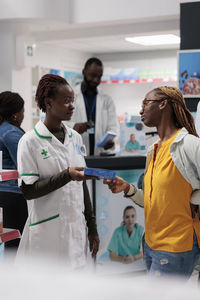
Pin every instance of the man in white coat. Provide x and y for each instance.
(95, 112)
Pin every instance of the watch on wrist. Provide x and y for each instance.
(132, 194)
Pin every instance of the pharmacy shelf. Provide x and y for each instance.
(8, 175)
(168, 79)
(9, 234)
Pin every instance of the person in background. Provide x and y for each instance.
(125, 244)
(46, 155)
(95, 112)
(171, 185)
(132, 145)
(14, 205)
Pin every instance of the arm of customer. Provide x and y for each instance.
(118, 185)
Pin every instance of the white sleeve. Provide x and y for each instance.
(27, 164)
(195, 197)
(138, 197)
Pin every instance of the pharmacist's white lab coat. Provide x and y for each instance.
(56, 225)
(106, 118)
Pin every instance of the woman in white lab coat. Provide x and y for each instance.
(56, 225)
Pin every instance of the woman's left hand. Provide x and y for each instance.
(117, 185)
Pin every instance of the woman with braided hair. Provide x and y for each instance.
(14, 205)
(56, 226)
(171, 189)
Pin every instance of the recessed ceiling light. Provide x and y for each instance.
(151, 40)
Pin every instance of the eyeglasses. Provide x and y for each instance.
(146, 102)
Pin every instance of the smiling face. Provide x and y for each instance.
(129, 219)
(61, 107)
(150, 112)
(92, 76)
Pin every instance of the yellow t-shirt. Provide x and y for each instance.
(168, 221)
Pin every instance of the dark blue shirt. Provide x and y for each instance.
(9, 138)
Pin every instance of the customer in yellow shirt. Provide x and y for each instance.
(171, 185)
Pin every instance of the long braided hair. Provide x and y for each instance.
(47, 88)
(181, 114)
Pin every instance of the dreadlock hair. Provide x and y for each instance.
(181, 114)
(93, 60)
(47, 88)
(10, 103)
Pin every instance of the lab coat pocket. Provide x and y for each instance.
(44, 236)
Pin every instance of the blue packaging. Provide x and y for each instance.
(100, 173)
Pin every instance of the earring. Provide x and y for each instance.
(15, 118)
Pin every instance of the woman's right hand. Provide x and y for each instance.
(117, 185)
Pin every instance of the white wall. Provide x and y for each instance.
(23, 9)
(21, 83)
(59, 57)
(122, 10)
(6, 56)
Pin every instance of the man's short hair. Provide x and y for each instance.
(93, 60)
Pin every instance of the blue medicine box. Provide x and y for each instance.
(100, 173)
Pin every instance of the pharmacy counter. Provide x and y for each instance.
(116, 162)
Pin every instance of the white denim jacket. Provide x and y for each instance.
(185, 153)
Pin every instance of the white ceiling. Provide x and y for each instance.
(103, 38)
(106, 44)
(94, 26)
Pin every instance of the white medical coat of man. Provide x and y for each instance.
(56, 226)
(106, 118)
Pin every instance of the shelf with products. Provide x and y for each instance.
(9, 234)
(143, 80)
(8, 175)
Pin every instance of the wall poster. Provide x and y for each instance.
(189, 73)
